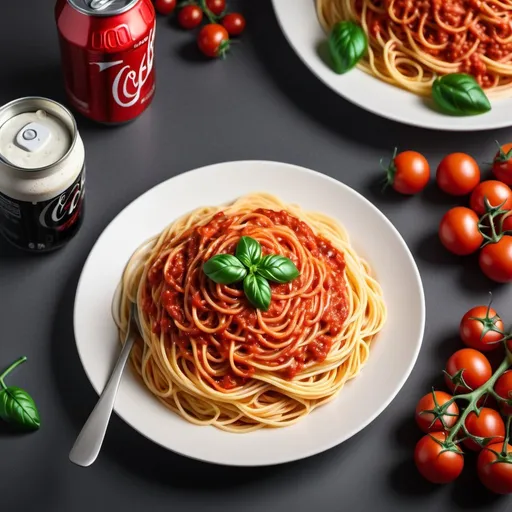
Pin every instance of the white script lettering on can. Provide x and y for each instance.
(128, 83)
(63, 206)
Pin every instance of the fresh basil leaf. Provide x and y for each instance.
(248, 251)
(257, 290)
(224, 269)
(347, 44)
(18, 407)
(277, 268)
(460, 95)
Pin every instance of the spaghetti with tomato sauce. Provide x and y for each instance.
(412, 42)
(207, 353)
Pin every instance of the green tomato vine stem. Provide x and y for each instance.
(504, 452)
(491, 214)
(493, 229)
(209, 14)
(14, 365)
(474, 396)
(390, 170)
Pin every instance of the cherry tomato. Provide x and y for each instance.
(507, 222)
(458, 174)
(190, 16)
(458, 231)
(213, 40)
(472, 331)
(408, 172)
(165, 7)
(495, 474)
(467, 366)
(496, 194)
(503, 388)
(432, 402)
(216, 6)
(487, 424)
(495, 260)
(234, 23)
(435, 462)
(502, 164)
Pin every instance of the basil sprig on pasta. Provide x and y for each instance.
(254, 270)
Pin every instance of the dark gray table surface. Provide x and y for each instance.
(261, 103)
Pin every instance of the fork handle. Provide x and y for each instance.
(88, 443)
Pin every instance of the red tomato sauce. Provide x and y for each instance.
(172, 314)
(442, 23)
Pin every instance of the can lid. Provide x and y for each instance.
(35, 134)
(102, 7)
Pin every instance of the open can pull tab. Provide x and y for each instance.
(33, 137)
(98, 5)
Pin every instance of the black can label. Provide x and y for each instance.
(45, 225)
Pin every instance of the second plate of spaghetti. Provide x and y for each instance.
(409, 45)
(268, 312)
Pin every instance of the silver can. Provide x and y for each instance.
(42, 174)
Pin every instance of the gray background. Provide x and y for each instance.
(261, 103)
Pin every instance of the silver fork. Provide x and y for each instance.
(88, 443)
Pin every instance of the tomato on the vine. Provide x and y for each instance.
(495, 470)
(437, 462)
(190, 16)
(503, 388)
(458, 174)
(495, 260)
(428, 414)
(502, 164)
(408, 172)
(488, 423)
(466, 370)
(459, 232)
(507, 222)
(495, 192)
(213, 40)
(476, 328)
(216, 6)
(165, 7)
(234, 23)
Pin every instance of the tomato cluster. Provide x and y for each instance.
(485, 225)
(214, 38)
(478, 426)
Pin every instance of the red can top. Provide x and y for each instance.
(102, 7)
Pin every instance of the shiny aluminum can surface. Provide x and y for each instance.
(42, 174)
(107, 53)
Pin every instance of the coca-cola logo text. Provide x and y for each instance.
(59, 211)
(128, 82)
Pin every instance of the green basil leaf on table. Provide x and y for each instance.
(257, 290)
(347, 44)
(18, 407)
(224, 269)
(248, 251)
(277, 268)
(459, 94)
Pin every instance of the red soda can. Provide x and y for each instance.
(107, 50)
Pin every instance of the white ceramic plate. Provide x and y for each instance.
(300, 25)
(393, 353)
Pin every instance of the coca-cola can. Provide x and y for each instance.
(42, 174)
(107, 50)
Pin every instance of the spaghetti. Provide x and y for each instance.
(411, 42)
(210, 356)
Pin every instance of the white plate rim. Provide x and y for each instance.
(306, 32)
(98, 386)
